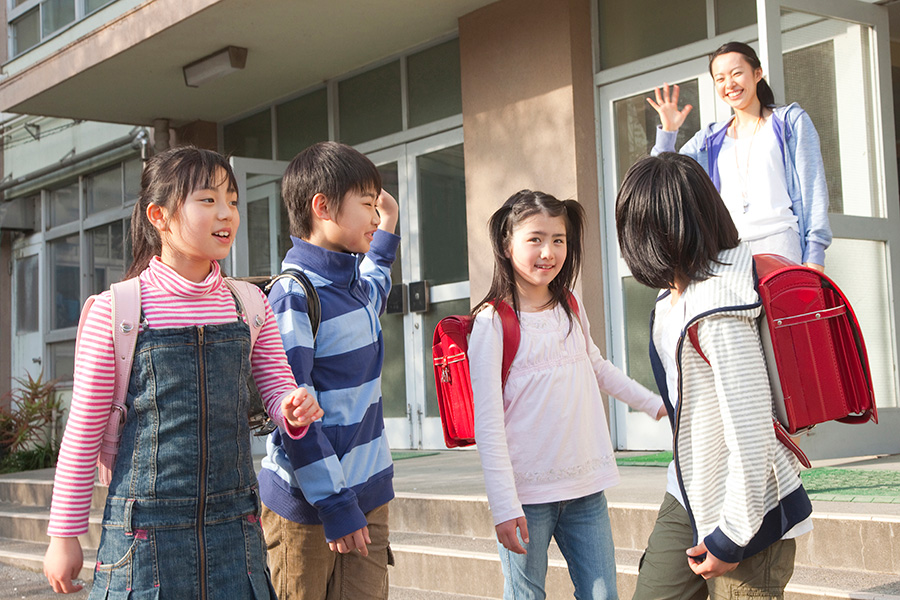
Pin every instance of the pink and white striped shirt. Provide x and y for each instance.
(167, 300)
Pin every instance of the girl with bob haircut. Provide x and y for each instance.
(734, 502)
(542, 435)
(765, 160)
(182, 513)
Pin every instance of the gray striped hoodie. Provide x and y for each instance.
(741, 486)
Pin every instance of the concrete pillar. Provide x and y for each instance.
(528, 118)
(203, 134)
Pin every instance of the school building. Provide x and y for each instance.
(460, 103)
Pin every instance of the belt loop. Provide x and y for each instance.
(129, 507)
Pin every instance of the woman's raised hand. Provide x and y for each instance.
(666, 106)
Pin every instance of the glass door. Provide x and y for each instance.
(263, 218)
(430, 279)
(628, 132)
(833, 58)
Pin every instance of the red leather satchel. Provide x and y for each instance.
(815, 352)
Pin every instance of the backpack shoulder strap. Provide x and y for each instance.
(125, 309)
(781, 433)
(512, 335)
(251, 304)
(314, 306)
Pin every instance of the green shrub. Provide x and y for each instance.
(30, 419)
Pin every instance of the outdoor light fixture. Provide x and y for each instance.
(219, 64)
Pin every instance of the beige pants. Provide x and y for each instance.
(304, 568)
(665, 575)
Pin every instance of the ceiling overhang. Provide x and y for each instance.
(130, 69)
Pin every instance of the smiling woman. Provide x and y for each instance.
(765, 161)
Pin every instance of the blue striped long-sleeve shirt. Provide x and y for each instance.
(342, 468)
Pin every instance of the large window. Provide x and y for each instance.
(86, 250)
(412, 91)
(33, 21)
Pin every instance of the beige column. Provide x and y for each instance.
(528, 118)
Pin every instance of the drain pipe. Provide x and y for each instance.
(137, 138)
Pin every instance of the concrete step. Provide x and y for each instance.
(875, 547)
(35, 488)
(30, 555)
(471, 565)
(29, 524)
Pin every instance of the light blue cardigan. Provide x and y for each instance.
(803, 167)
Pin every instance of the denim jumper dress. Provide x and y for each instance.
(182, 515)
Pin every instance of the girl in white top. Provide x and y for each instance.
(543, 436)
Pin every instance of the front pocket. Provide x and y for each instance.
(126, 565)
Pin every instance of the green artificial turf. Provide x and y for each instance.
(658, 459)
(398, 455)
(822, 483)
(852, 485)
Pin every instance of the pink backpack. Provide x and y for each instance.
(125, 300)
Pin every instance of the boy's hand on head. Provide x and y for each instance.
(62, 562)
(389, 210)
(704, 564)
(358, 540)
(506, 534)
(299, 408)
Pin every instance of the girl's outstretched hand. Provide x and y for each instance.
(389, 211)
(62, 562)
(666, 106)
(662, 412)
(506, 534)
(299, 408)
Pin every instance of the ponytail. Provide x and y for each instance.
(765, 94)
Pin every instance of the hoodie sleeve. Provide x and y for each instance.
(803, 144)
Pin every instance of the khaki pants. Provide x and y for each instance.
(304, 568)
(665, 575)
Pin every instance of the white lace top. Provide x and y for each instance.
(545, 438)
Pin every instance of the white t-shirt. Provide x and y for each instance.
(754, 188)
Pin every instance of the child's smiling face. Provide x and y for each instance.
(537, 251)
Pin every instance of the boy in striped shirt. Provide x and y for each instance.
(325, 497)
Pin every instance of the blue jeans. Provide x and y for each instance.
(581, 529)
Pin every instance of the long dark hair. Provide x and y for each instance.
(519, 207)
(763, 91)
(671, 221)
(168, 178)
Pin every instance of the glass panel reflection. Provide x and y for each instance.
(64, 282)
(393, 375)
(27, 300)
(103, 191)
(106, 259)
(860, 268)
(639, 301)
(827, 65)
(64, 205)
(442, 215)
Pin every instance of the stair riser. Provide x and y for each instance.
(40, 493)
(875, 547)
(34, 529)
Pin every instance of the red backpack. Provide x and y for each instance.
(451, 369)
(815, 352)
